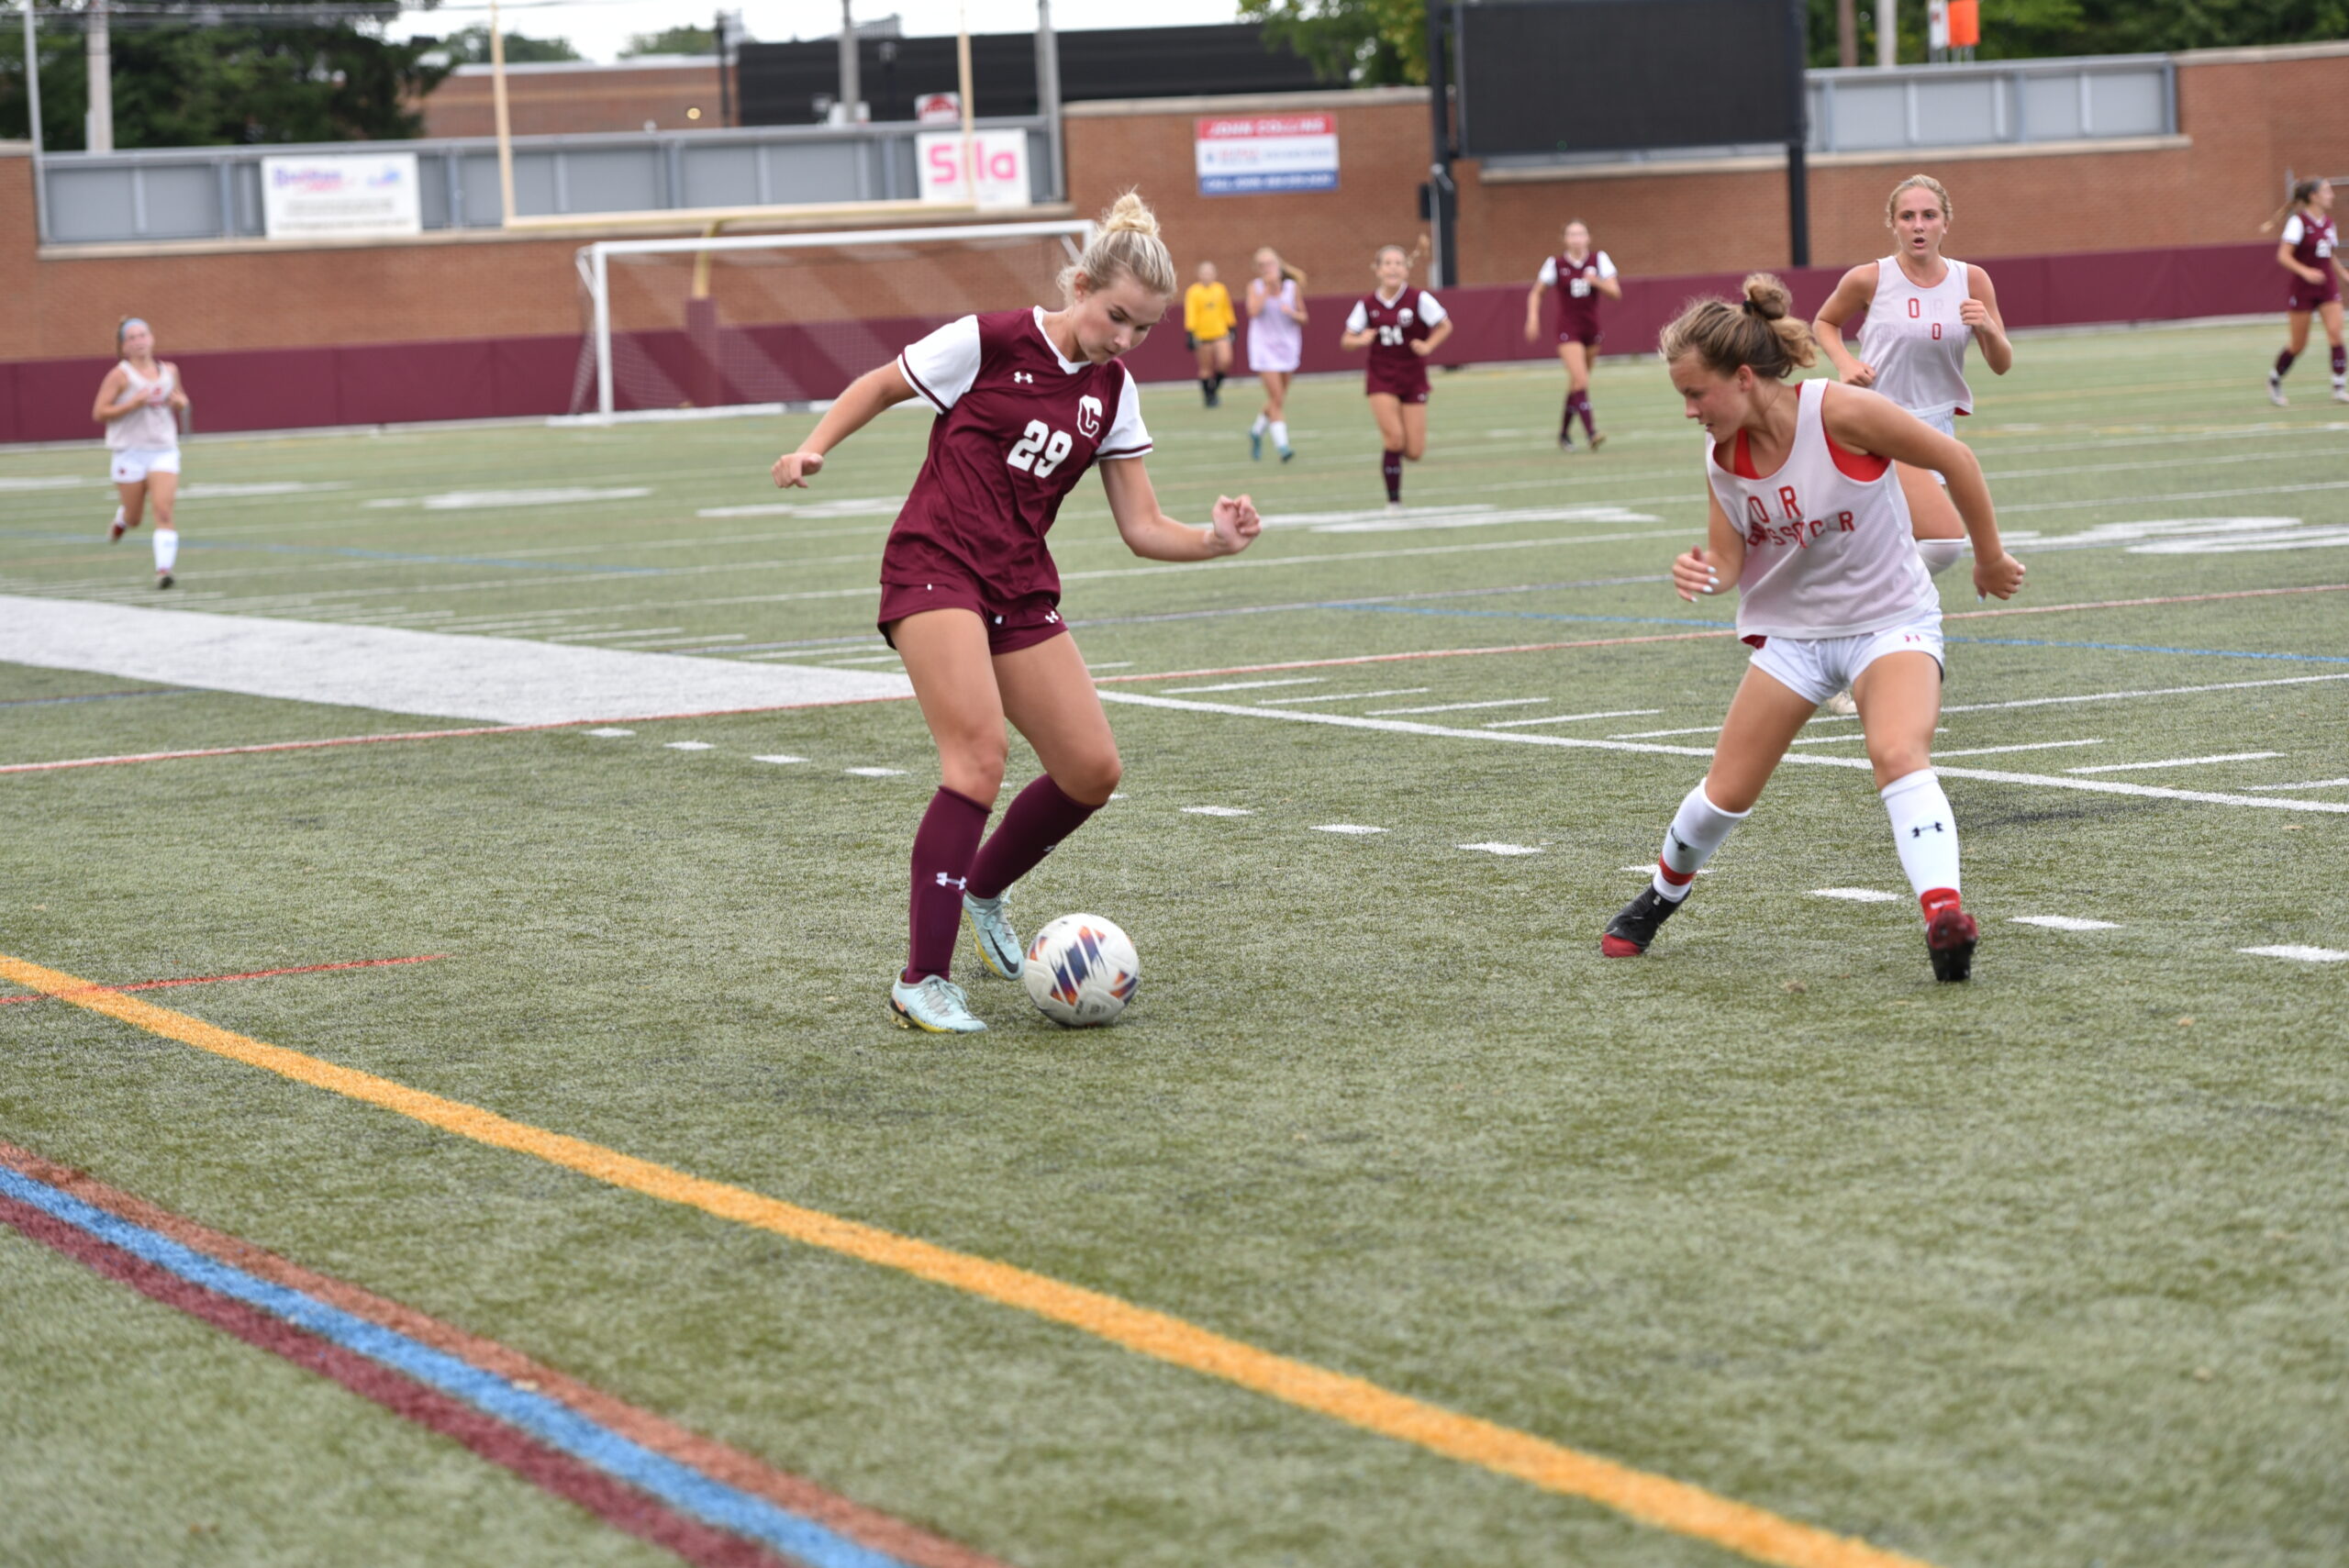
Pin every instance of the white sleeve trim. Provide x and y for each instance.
(1548, 278)
(1357, 319)
(2293, 229)
(1127, 436)
(941, 367)
(1606, 265)
(1431, 309)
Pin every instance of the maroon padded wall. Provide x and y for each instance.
(372, 383)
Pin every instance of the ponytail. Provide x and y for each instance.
(1759, 331)
(1126, 246)
(2303, 193)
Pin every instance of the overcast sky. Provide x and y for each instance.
(599, 29)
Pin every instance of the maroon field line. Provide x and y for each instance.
(906, 1542)
(613, 1501)
(249, 975)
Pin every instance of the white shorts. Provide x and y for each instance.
(133, 465)
(1946, 423)
(1271, 360)
(1817, 668)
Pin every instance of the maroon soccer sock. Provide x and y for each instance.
(1566, 420)
(1390, 468)
(2340, 361)
(1582, 402)
(1032, 829)
(944, 845)
(2283, 363)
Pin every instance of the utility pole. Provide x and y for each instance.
(1048, 96)
(1847, 33)
(32, 102)
(725, 87)
(1888, 34)
(1798, 145)
(852, 89)
(100, 136)
(1443, 266)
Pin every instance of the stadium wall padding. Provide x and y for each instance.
(385, 384)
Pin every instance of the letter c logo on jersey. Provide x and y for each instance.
(1088, 417)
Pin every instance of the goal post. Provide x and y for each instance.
(703, 322)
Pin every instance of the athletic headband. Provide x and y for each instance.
(128, 322)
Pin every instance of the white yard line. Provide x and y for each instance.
(1353, 828)
(2304, 955)
(2176, 762)
(1459, 706)
(2064, 923)
(2027, 746)
(2311, 783)
(1856, 895)
(1503, 849)
(1351, 696)
(1246, 686)
(1573, 717)
(1218, 811)
(1526, 737)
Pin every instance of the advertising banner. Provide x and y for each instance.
(999, 173)
(1247, 155)
(339, 195)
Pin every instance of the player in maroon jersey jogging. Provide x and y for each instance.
(1581, 274)
(2311, 250)
(1400, 326)
(1027, 400)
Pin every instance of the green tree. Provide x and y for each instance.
(672, 40)
(1368, 44)
(469, 46)
(181, 84)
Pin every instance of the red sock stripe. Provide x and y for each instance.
(1933, 898)
(1677, 878)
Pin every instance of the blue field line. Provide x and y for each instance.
(93, 696)
(358, 554)
(550, 1420)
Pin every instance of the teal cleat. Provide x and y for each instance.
(935, 1004)
(991, 930)
(1255, 446)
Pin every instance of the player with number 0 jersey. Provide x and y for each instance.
(1027, 401)
(1400, 326)
(1807, 517)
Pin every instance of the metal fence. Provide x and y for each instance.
(214, 192)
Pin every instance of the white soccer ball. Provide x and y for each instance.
(1081, 971)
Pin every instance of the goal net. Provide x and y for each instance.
(769, 319)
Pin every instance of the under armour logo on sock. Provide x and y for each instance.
(1023, 377)
(1918, 830)
(946, 880)
(1679, 844)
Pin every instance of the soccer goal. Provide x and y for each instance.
(687, 325)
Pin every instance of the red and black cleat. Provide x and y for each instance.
(1950, 936)
(1629, 932)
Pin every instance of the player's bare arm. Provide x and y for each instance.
(872, 394)
(1864, 422)
(1533, 311)
(1361, 340)
(111, 404)
(1152, 535)
(1851, 297)
(178, 398)
(1434, 339)
(1611, 287)
(1719, 560)
(2291, 264)
(1980, 312)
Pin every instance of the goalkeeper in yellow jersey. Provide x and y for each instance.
(1208, 322)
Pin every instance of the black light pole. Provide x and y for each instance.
(1445, 271)
(1798, 148)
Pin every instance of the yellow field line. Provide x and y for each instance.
(1652, 1499)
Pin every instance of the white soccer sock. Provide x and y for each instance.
(1261, 425)
(1939, 554)
(1925, 831)
(1697, 829)
(167, 549)
(1280, 433)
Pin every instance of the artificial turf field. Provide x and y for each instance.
(2048, 1269)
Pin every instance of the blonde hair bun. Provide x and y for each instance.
(1768, 295)
(1129, 215)
(1125, 244)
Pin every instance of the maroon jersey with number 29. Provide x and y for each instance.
(1019, 426)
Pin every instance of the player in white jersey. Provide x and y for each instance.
(1920, 309)
(1275, 346)
(1809, 518)
(139, 403)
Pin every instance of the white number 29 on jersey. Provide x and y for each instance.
(1053, 445)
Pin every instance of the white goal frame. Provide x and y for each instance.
(594, 264)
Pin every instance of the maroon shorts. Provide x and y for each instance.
(1586, 336)
(1408, 382)
(2307, 295)
(1011, 626)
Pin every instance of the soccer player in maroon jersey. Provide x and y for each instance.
(1027, 400)
(1401, 327)
(2310, 250)
(1580, 274)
